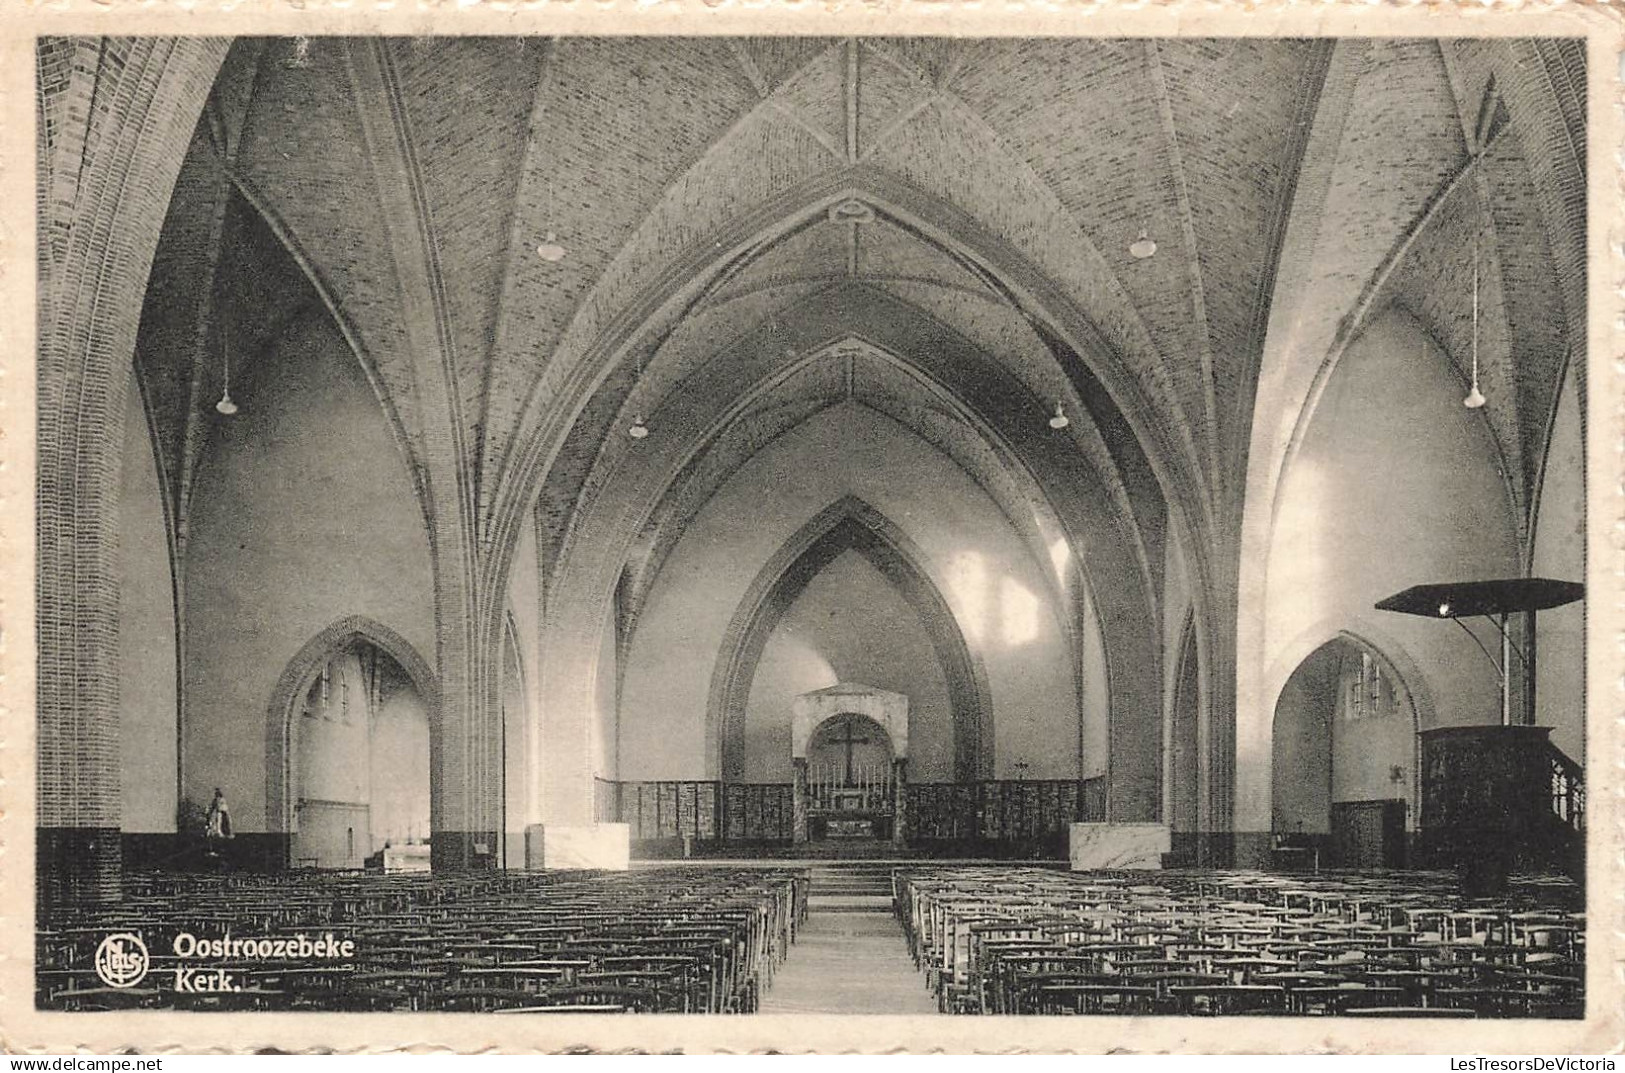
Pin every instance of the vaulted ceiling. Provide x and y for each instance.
(754, 229)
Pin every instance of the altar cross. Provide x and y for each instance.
(849, 740)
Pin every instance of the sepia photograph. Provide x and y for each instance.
(936, 526)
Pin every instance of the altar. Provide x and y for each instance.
(847, 827)
(849, 751)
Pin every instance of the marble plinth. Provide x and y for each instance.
(1118, 845)
(414, 858)
(605, 846)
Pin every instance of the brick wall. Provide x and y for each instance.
(148, 640)
(111, 146)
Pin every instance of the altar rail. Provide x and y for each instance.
(995, 817)
(1029, 814)
(700, 810)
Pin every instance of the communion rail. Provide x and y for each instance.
(994, 817)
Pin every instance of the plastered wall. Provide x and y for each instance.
(1395, 484)
(303, 514)
(147, 639)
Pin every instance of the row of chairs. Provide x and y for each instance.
(1040, 941)
(681, 940)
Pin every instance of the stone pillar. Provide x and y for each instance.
(798, 802)
(899, 822)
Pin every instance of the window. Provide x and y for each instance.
(1367, 693)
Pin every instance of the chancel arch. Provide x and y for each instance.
(849, 525)
(976, 561)
(1091, 536)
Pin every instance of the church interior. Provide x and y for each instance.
(646, 523)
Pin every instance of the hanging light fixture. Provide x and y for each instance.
(225, 406)
(1059, 420)
(550, 250)
(1143, 246)
(1475, 398)
(638, 429)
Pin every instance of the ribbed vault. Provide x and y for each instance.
(847, 525)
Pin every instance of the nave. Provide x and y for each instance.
(838, 937)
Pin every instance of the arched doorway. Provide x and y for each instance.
(350, 749)
(1344, 765)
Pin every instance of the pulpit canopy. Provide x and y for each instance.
(1464, 599)
(811, 710)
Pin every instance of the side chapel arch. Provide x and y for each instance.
(296, 679)
(1411, 698)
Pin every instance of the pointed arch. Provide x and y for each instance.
(515, 771)
(610, 335)
(849, 524)
(296, 679)
(1318, 732)
(1367, 634)
(1183, 792)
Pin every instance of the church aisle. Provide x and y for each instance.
(850, 956)
(849, 963)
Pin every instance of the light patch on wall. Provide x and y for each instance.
(1060, 557)
(812, 670)
(1018, 613)
(968, 581)
(1299, 559)
(992, 607)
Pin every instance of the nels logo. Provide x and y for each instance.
(121, 960)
